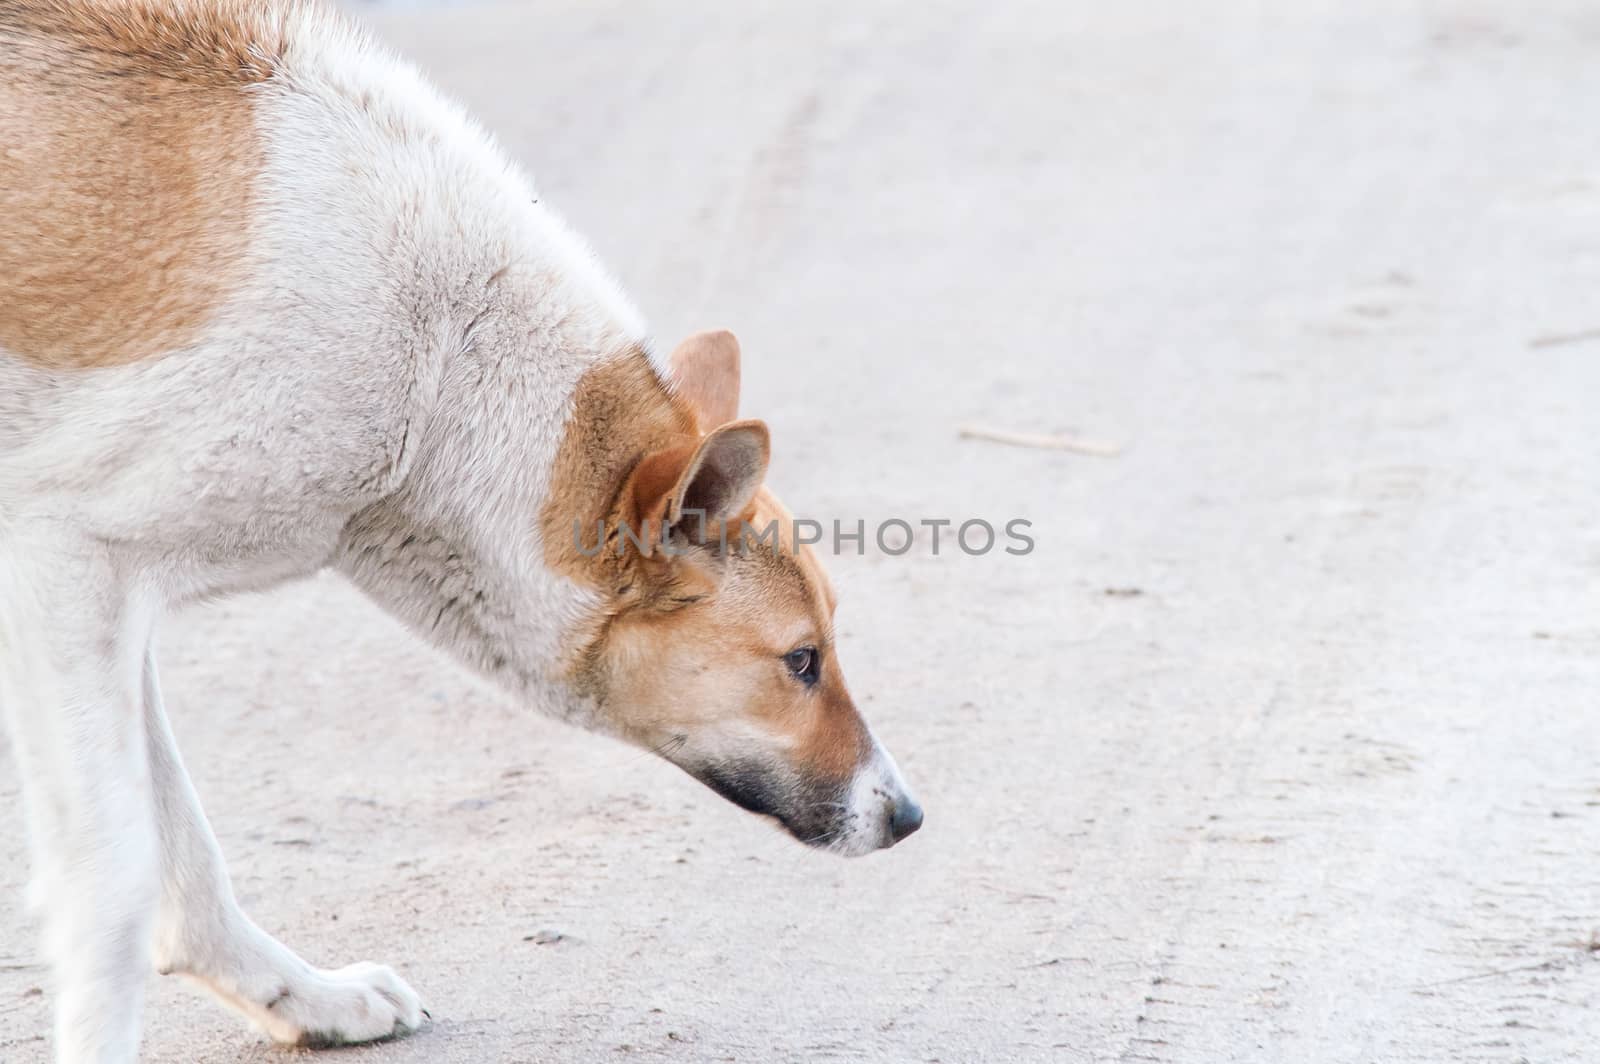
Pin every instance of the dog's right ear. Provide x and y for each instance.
(705, 373)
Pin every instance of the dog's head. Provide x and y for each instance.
(712, 643)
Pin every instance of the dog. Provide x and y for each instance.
(269, 304)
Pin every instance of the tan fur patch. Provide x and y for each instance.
(705, 373)
(833, 741)
(127, 161)
(837, 742)
(620, 414)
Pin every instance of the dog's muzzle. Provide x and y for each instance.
(871, 810)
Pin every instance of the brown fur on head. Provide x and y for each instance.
(713, 640)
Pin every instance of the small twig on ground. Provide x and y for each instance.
(1557, 339)
(1542, 966)
(1043, 441)
(1054, 961)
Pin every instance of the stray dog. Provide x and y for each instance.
(269, 304)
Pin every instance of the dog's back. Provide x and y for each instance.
(129, 170)
(228, 226)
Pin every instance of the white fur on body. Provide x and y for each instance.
(385, 394)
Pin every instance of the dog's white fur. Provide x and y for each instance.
(345, 368)
(386, 394)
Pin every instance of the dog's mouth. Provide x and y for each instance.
(815, 815)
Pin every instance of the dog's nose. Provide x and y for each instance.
(906, 818)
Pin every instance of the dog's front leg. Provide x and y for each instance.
(203, 934)
(70, 644)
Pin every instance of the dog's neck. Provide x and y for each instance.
(505, 463)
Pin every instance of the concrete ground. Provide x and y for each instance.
(1284, 743)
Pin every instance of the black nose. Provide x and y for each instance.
(907, 817)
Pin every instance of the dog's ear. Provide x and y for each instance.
(697, 488)
(705, 372)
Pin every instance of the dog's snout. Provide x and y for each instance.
(906, 817)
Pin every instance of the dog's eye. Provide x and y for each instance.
(803, 664)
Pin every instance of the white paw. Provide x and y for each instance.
(359, 1003)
